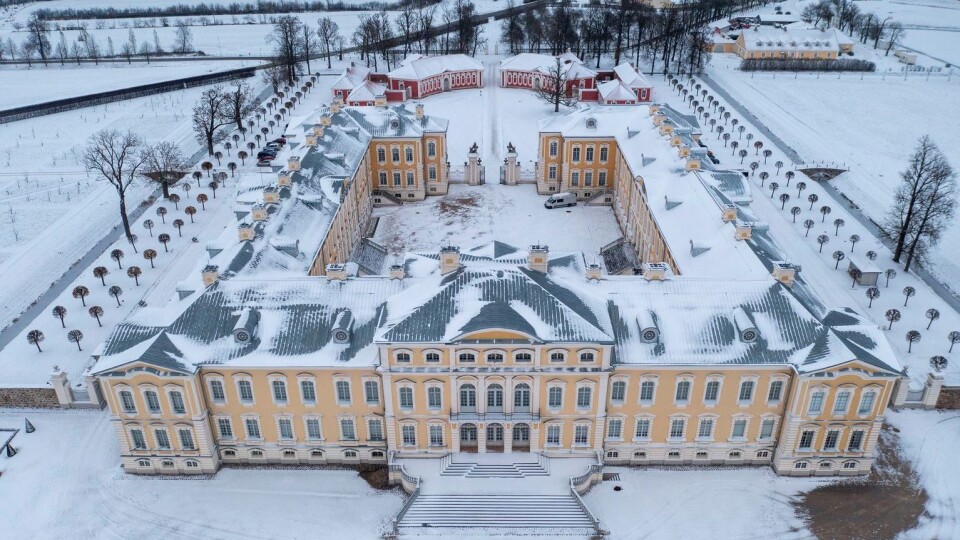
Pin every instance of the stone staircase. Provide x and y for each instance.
(496, 511)
(494, 470)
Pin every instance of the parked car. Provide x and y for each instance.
(264, 163)
(265, 153)
(281, 140)
(558, 200)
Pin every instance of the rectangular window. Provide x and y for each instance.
(841, 403)
(555, 397)
(126, 398)
(583, 397)
(395, 154)
(381, 155)
(309, 391)
(409, 434)
(396, 179)
(153, 402)
(286, 428)
(279, 391)
(343, 392)
(706, 428)
(383, 178)
(816, 403)
(575, 178)
(313, 428)
(576, 153)
(163, 440)
(409, 154)
(589, 154)
(712, 391)
(176, 402)
(615, 429)
(646, 391)
(406, 398)
(139, 441)
(553, 148)
(436, 435)
(602, 178)
(643, 428)
(683, 391)
(216, 391)
(409, 178)
(372, 392)
(581, 435)
(746, 391)
(603, 153)
(739, 429)
(766, 428)
(856, 441)
(245, 390)
(806, 440)
(676, 427)
(376, 430)
(552, 173)
(434, 400)
(432, 172)
(619, 391)
(347, 429)
(833, 437)
(866, 403)
(553, 435)
(776, 390)
(186, 439)
(588, 178)
(225, 427)
(253, 428)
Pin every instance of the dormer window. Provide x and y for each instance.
(586, 357)
(557, 357)
(468, 357)
(495, 358)
(403, 357)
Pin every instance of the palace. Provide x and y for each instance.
(623, 85)
(416, 77)
(713, 351)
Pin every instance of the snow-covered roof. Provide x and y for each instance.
(764, 38)
(631, 77)
(367, 91)
(419, 67)
(573, 67)
(351, 78)
(290, 321)
(615, 90)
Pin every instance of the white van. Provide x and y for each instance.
(561, 199)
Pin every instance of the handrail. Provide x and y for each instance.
(576, 496)
(403, 509)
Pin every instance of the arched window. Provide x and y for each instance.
(618, 391)
(316, 454)
(350, 454)
(256, 453)
(433, 357)
(153, 402)
(468, 357)
(403, 357)
(431, 149)
(555, 397)
(434, 399)
(586, 357)
(406, 397)
(143, 462)
(494, 398)
(523, 357)
(229, 453)
(521, 398)
(495, 358)
(468, 398)
(557, 357)
(683, 391)
(289, 454)
(583, 397)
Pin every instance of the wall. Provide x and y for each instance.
(949, 398)
(41, 398)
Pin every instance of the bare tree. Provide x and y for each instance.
(309, 45)
(75, 336)
(895, 33)
(329, 32)
(38, 39)
(183, 39)
(164, 163)
(60, 312)
(35, 337)
(210, 114)
(116, 157)
(287, 41)
(239, 101)
(553, 87)
(96, 312)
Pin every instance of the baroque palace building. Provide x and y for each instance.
(719, 353)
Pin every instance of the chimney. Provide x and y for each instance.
(318, 130)
(449, 259)
(325, 120)
(310, 139)
(593, 272)
(396, 272)
(259, 212)
(336, 272)
(655, 271)
(283, 178)
(245, 232)
(211, 274)
(271, 195)
(336, 105)
(380, 101)
(744, 230)
(729, 213)
(654, 108)
(293, 163)
(419, 109)
(785, 272)
(538, 258)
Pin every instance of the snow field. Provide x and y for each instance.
(834, 285)
(84, 493)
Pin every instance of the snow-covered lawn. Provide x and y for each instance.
(870, 129)
(931, 441)
(29, 85)
(66, 482)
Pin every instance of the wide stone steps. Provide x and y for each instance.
(496, 511)
(489, 470)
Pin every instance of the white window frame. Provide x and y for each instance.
(562, 388)
(733, 426)
(285, 419)
(437, 389)
(177, 390)
(272, 380)
(337, 393)
(711, 379)
(341, 425)
(192, 438)
(246, 427)
(620, 382)
(822, 391)
(783, 388)
(210, 380)
(559, 433)
(670, 434)
(229, 422)
(873, 393)
(636, 427)
(405, 430)
(579, 427)
(431, 429)
(309, 380)
(370, 434)
(306, 427)
(615, 434)
(366, 391)
(753, 379)
(237, 379)
(653, 398)
(405, 389)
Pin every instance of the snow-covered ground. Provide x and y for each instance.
(931, 441)
(20, 362)
(66, 482)
(37, 84)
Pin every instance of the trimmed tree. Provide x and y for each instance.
(912, 337)
(872, 293)
(116, 293)
(81, 292)
(34, 337)
(117, 255)
(932, 314)
(101, 272)
(96, 312)
(135, 273)
(150, 255)
(60, 312)
(75, 336)
(892, 315)
(908, 291)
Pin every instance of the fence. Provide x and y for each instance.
(100, 98)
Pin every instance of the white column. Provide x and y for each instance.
(455, 434)
(932, 391)
(507, 438)
(481, 438)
